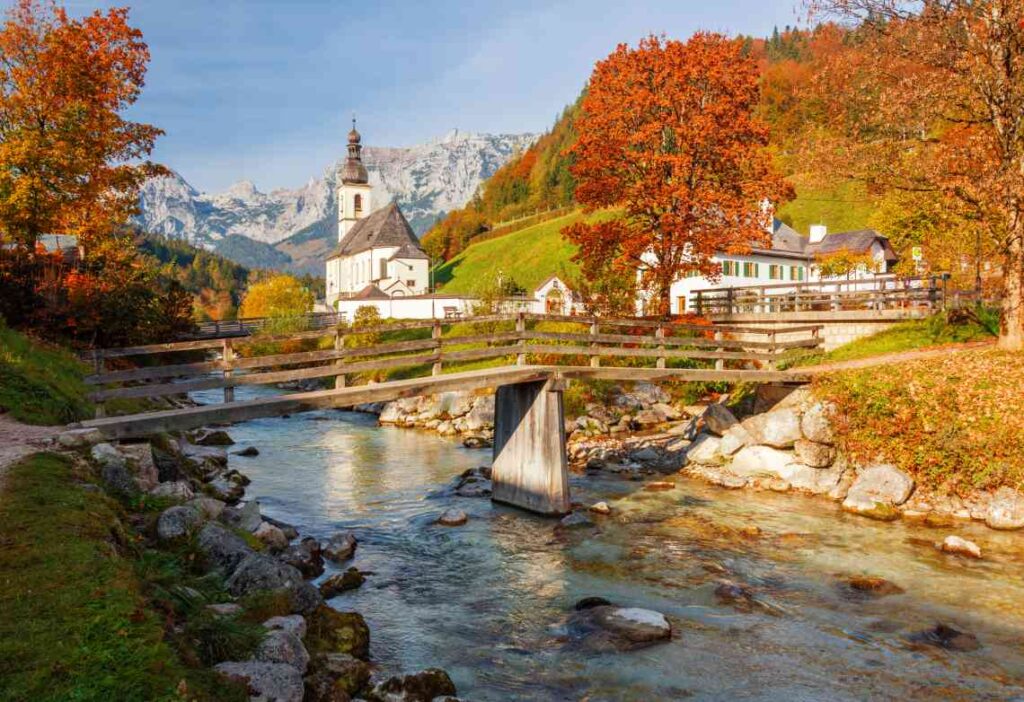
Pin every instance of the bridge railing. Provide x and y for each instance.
(243, 327)
(426, 346)
(884, 292)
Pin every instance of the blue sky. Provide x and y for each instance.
(264, 91)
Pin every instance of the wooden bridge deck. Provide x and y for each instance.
(510, 350)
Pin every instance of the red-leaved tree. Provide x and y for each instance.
(667, 133)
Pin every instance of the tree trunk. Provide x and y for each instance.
(1011, 330)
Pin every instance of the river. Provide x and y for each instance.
(488, 601)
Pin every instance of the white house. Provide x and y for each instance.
(377, 254)
(790, 259)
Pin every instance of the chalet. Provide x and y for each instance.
(791, 258)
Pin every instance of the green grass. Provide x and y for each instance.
(40, 383)
(841, 208)
(74, 622)
(906, 336)
(528, 255)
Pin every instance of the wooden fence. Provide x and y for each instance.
(245, 327)
(878, 293)
(476, 339)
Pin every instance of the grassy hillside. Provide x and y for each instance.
(40, 383)
(529, 256)
(840, 208)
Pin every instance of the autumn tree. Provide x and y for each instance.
(70, 162)
(929, 98)
(667, 133)
(278, 296)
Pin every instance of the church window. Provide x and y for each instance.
(383, 268)
(411, 283)
(357, 203)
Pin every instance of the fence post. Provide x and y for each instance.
(660, 334)
(435, 334)
(719, 362)
(774, 351)
(228, 356)
(98, 368)
(700, 304)
(339, 345)
(595, 361)
(729, 301)
(521, 339)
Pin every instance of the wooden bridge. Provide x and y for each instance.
(527, 357)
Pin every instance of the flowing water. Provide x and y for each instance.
(488, 601)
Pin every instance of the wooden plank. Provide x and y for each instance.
(647, 340)
(480, 338)
(139, 425)
(646, 353)
(479, 354)
(702, 375)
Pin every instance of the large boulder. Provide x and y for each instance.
(482, 414)
(735, 438)
(222, 548)
(179, 490)
(106, 454)
(246, 517)
(306, 556)
(274, 682)
(261, 572)
(79, 438)
(294, 623)
(337, 677)
(706, 450)
(753, 461)
(213, 437)
(280, 646)
(816, 423)
(814, 454)
(779, 428)
(718, 419)
(1005, 509)
(340, 547)
(271, 536)
(877, 490)
(178, 522)
(331, 631)
(338, 583)
(424, 686)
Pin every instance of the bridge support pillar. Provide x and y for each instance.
(530, 467)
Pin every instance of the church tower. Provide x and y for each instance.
(353, 186)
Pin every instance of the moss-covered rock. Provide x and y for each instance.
(331, 631)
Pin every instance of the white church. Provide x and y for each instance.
(378, 255)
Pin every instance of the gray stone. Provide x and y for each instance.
(735, 438)
(706, 450)
(649, 418)
(140, 460)
(816, 423)
(590, 426)
(646, 454)
(340, 547)
(338, 583)
(482, 414)
(877, 489)
(224, 609)
(452, 517)
(261, 572)
(271, 536)
(306, 556)
(246, 517)
(221, 548)
(213, 437)
(210, 507)
(601, 508)
(609, 628)
(280, 646)
(79, 438)
(273, 682)
(754, 461)
(576, 520)
(229, 491)
(1005, 509)
(177, 490)
(424, 686)
(718, 419)
(667, 411)
(107, 455)
(778, 429)
(178, 522)
(814, 454)
(293, 623)
(247, 452)
(337, 672)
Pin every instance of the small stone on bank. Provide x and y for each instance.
(601, 508)
(452, 517)
(248, 452)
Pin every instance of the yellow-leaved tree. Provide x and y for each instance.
(278, 296)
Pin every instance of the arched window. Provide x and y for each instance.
(357, 203)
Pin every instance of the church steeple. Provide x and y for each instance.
(353, 185)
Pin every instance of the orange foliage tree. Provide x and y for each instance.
(69, 162)
(667, 132)
(930, 99)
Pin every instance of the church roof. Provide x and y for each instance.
(370, 292)
(410, 252)
(385, 227)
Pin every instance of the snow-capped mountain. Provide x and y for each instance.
(427, 180)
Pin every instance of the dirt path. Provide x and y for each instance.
(18, 440)
(886, 359)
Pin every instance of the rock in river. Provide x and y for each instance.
(339, 632)
(340, 547)
(876, 490)
(961, 547)
(424, 686)
(306, 556)
(1005, 509)
(452, 517)
(610, 628)
(948, 637)
(341, 582)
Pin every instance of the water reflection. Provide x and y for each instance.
(488, 601)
